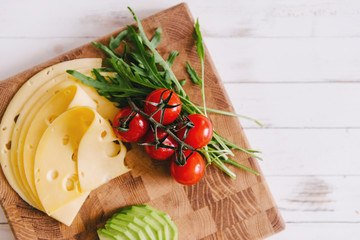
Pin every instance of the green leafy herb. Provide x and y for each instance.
(193, 75)
(115, 42)
(156, 38)
(201, 52)
(129, 77)
(171, 58)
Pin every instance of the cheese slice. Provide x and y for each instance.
(14, 109)
(68, 212)
(67, 98)
(104, 107)
(56, 175)
(31, 112)
(100, 156)
(24, 122)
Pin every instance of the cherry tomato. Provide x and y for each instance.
(160, 153)
(138, 126)
(200, 135)
(191, 172)
(170, 113)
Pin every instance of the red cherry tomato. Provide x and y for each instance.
(170, 113)
(191, 172)
(200, 135)
(138, 126)
(160, 153)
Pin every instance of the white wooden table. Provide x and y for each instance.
(293, 65)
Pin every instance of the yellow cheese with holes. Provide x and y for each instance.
(25, 121)
(69, 97)
(15, 108)
(56, 175)
(106, 161)
(68, 212)
(54, 113)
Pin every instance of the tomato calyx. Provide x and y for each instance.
(186, 124)
(162, 105)
(125, 122)
(129, 126)
(158, 142)
(180, 158)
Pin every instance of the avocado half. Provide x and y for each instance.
(139, 222)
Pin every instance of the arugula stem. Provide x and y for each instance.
(184, 99)
(222, 166)
(236, 164)
(231, 114)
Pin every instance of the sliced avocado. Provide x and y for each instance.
(120, 230)
(155, 226)
(166, 218)
(145, 210)
(135, 230)
(139, 222)
(107, 235)
(173, 228)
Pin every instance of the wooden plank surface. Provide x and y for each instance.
(285, 38)
(332, 105)
(218, 206)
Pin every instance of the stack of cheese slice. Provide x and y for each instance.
(56, 142)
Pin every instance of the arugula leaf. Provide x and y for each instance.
(105, 49)
(193, 75)
(115, 42)
(171, 58)
(179, 90)
(109, 88)
(199, 43)
(201, 52)
(146, 59)
(156, 38)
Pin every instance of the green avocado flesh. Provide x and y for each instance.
(139, 222)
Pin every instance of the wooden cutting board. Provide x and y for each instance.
(215, 208)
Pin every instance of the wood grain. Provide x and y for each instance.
(224, 208)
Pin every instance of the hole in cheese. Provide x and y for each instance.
(8, 145)
(74, 156)
(95, 101)
(48, 72)
(4, 128)
(30, 146)
(38, 180)
(51, 119)
(38, 170)
(65, 140)
(112, 149)
(99, 120)
(70, 183)
(57, 91)
(103, 134)
(82, 174)
(52, 175)
(16, 118)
